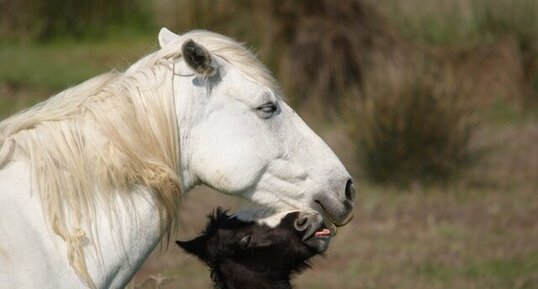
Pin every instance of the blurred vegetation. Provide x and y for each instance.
(420, 131)
(450, 22)
(57, 19)
(465, 23)
(361, 59)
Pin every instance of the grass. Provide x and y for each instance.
(427, 240)
(58, 65)
(414, 239)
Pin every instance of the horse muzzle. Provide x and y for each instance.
(337, 212)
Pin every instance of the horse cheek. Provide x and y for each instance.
(231, 168)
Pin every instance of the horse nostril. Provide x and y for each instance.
(307, 223)
(301, 223)
(350, 190)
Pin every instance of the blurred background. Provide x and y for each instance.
(432, 105)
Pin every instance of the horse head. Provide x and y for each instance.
(238, 135)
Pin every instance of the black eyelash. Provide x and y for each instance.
(268, 108)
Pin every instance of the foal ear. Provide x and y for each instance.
(166, 36)
(196, 247)
(198, 58)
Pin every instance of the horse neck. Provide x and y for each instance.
(115, 243)
(109, 232)
(128, 225)
(123, 241)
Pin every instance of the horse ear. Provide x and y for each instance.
(166, 36)
(196, 247)
(198, 58)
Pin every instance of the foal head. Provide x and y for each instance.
(251, 254)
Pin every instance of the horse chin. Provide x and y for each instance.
(318, 244)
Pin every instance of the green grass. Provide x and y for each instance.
(33, 72)
(58, 65)
(495, 273)
(505, 272)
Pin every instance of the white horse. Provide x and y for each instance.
(92, 179)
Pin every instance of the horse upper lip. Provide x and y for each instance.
(331, 221)
(346, 221)
(319, 228)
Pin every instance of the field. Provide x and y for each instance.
(476, 230)
(459, 236)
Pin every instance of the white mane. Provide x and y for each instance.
(105, 136)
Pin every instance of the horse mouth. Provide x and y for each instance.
(320, 239)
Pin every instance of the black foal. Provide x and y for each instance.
(252, 255)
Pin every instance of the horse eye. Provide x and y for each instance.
(267, 110)
(245, 242)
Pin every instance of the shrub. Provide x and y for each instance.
(419, 130)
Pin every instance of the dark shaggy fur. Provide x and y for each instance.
(246, 255)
